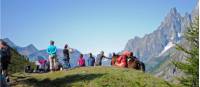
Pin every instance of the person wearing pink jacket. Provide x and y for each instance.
(81, 61)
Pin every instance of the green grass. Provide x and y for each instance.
(90, 77)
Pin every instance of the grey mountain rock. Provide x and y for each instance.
(157, 49)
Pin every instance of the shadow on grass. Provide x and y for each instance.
(168, 84)
(61, 82)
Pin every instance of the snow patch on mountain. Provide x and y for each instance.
(167, 47)
(179, 35)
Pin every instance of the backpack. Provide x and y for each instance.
(122, 60)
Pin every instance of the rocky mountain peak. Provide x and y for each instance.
(9, 42)
(195, 11)
(161, 40)
(31, 46)
(173, 11)
(173, 16)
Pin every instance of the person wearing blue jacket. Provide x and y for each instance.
(51, 50)
(91, 60)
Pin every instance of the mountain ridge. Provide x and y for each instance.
(152, 44)
(168, 33)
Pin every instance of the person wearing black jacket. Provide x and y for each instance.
(99, 58)
(5, 55)
(66, 55)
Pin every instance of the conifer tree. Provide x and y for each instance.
(191, 66)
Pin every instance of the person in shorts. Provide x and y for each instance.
(51, 50)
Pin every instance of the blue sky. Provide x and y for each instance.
(87, 25)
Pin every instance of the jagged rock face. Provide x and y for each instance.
(195, 11)
(167, 70)
(157, 49)
(152, 44)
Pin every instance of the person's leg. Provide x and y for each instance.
(4, 68)
(54, 63)
(68, 64)
(5, 72)
(50, 63)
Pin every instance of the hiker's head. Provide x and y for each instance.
(66, 46)
(90, 55)
(114, 54)
(52, 42)
(102, 52)
(81, 55)
(131, 54)
(2, 44)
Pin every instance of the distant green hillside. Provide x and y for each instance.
(18, 62)
(91, 77)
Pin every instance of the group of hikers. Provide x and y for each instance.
(125, 60)
(51, 50)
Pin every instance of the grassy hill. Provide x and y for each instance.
(90, 77)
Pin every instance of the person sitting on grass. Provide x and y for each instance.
(81, 61)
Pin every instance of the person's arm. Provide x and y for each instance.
(54, 51)
(48, 51)
(106, 57)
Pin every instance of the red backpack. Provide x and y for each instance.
(121, 61)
